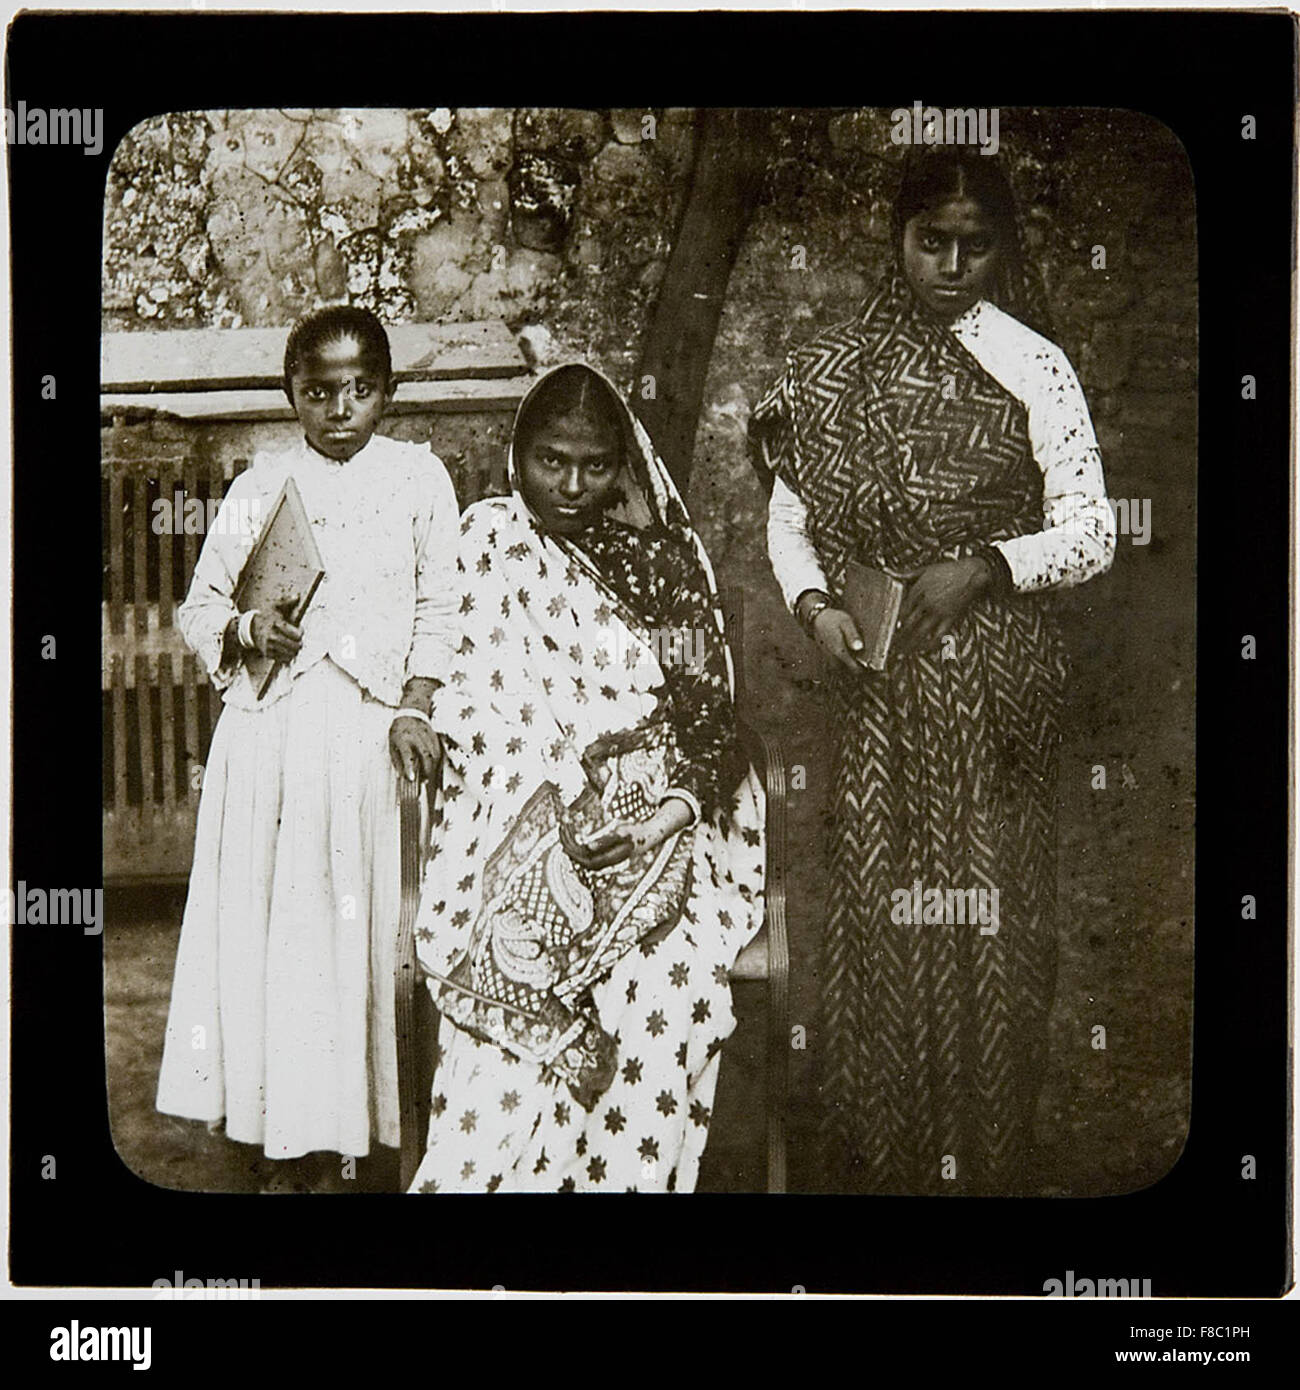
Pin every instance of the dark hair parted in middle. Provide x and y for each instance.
(329, 325)
(934, 174)
(572, 390)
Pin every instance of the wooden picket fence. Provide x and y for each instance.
(159, 706)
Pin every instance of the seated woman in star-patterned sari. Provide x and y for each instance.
(596, 858)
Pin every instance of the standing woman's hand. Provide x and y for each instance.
(937, 596)
(835, 633)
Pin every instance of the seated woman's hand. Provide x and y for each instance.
(275, 636)
(624, 839)
(414, 748)
(937, 596)
(836, 634)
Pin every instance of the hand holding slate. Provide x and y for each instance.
(624, 839)
(936, 597)
(281, 576)
(275, 636)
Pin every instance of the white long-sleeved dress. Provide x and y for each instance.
(281, 1016)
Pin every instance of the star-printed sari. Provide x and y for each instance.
(906, 452)
(583, 1011)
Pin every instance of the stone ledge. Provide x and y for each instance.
(231, 359)
(413, 398)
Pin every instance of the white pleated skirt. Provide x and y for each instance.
(281, 1016)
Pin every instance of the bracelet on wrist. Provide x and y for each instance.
(244, 631)
(1001, 582)
(692, 802)
(408, 712)
(808, 605)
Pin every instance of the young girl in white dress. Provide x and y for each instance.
(281, 1019)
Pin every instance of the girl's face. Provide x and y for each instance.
(950, 256)
(568, 472)
(340, 394)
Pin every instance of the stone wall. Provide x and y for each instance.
(561, 218)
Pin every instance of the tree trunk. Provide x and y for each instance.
(731, 154)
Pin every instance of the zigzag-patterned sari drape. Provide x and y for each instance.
(905, 452)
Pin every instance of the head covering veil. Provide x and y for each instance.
(647, 496)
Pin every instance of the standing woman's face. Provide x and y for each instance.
(950, 256)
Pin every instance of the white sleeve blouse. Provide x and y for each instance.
(1078, 536)
(386, 523)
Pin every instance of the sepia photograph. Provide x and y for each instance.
(683, 604)
(649, 649)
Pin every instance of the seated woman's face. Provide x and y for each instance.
(950, 256)
(568, 471)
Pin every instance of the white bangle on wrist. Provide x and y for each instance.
(406, 712)
(245, 630)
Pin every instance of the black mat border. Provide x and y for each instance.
(1200, 1231)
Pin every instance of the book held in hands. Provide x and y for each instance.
(872, 599)
(281, 575)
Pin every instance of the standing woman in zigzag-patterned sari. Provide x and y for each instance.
(939, 438)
